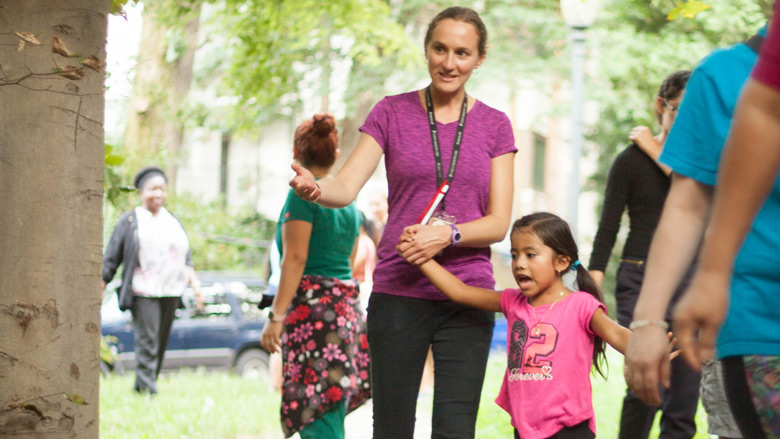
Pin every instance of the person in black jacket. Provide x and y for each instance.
(639, 183)
(153, 247)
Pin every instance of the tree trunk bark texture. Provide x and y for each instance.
(160, 90)
(51, 188)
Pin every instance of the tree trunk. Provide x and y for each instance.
(160, 88)
(51, 188)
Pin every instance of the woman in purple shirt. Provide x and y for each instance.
(418, 132)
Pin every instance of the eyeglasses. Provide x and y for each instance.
(671, 107)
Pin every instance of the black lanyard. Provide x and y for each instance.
(435, 139)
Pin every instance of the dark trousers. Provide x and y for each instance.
(400, 330)
(740, 400)
(152, 321)
(680, 401)
(579, 431)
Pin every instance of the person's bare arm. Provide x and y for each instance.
(457, 291)
(295, 252)
(612, 333)
(645, 140)
(748, 170)
(672, 250)
(340, 190)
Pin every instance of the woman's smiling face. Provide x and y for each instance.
(452, 55)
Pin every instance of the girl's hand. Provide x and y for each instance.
(271, 337)
(419, 243)
(672, 341)
(304, 184)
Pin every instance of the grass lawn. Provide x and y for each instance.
(202, 405)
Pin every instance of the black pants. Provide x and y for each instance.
(680, 401)
(152, 321)
(400, 330)
(740, 401)
(579, 431)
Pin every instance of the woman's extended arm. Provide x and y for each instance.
(339, 191)
(491, 228)
(457, 291)
(295, 252)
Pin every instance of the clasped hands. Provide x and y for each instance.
(419, 243)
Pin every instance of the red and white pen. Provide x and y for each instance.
(434, 203)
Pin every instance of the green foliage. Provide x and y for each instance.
(688, 9)
(220, 239)
(112, 176)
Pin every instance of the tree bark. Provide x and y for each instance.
(160, 89)
(51, 188)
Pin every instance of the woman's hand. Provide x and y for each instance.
(643, 137)
(647, 363)
(419, 243)
(304, 184)
(271, 337)
(699, 314)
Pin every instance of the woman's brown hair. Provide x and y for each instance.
(316, 141)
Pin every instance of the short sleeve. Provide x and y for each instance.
(588, 307)
(296, 208)
(767, 69)
(377, 123)
(505, 139)
(697, 136)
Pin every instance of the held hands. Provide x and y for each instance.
(271, 336)
(304, 184)
(699, 314)
(647, 362)
(419, 243)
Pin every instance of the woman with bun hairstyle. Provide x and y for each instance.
(154, 249)
(315, 319)
(430, 137)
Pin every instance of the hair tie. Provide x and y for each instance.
(575, 265)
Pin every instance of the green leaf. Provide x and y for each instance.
(75, 399)
(114, 160)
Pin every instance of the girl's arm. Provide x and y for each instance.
(295, 252)
(457, 291)
(430, 240)
(339, 191)
(612, 333)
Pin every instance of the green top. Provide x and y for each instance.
(333, 235)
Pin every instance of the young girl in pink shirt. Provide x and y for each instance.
(554, 335)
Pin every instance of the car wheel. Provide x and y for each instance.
(252, 363)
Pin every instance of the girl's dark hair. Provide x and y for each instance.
(316, 141)
(673, 86)
(466, 15)
(556, 234)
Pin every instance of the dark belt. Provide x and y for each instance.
(637, 262)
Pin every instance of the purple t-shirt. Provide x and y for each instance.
(400, 125)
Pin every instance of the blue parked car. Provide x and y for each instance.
(223, 335)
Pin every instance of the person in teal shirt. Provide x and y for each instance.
(316, 320)
(693, 151)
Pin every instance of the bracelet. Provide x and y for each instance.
(641, 323)
(275, 319)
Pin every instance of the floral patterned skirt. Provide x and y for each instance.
(325, 352)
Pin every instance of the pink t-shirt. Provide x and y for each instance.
(547, 382)
(767, 68)
(400, 125)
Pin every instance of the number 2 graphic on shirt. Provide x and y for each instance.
(538, 347)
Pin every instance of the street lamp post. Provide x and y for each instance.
(579, 16)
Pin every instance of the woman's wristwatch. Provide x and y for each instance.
(275, 319)
(455, 237)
